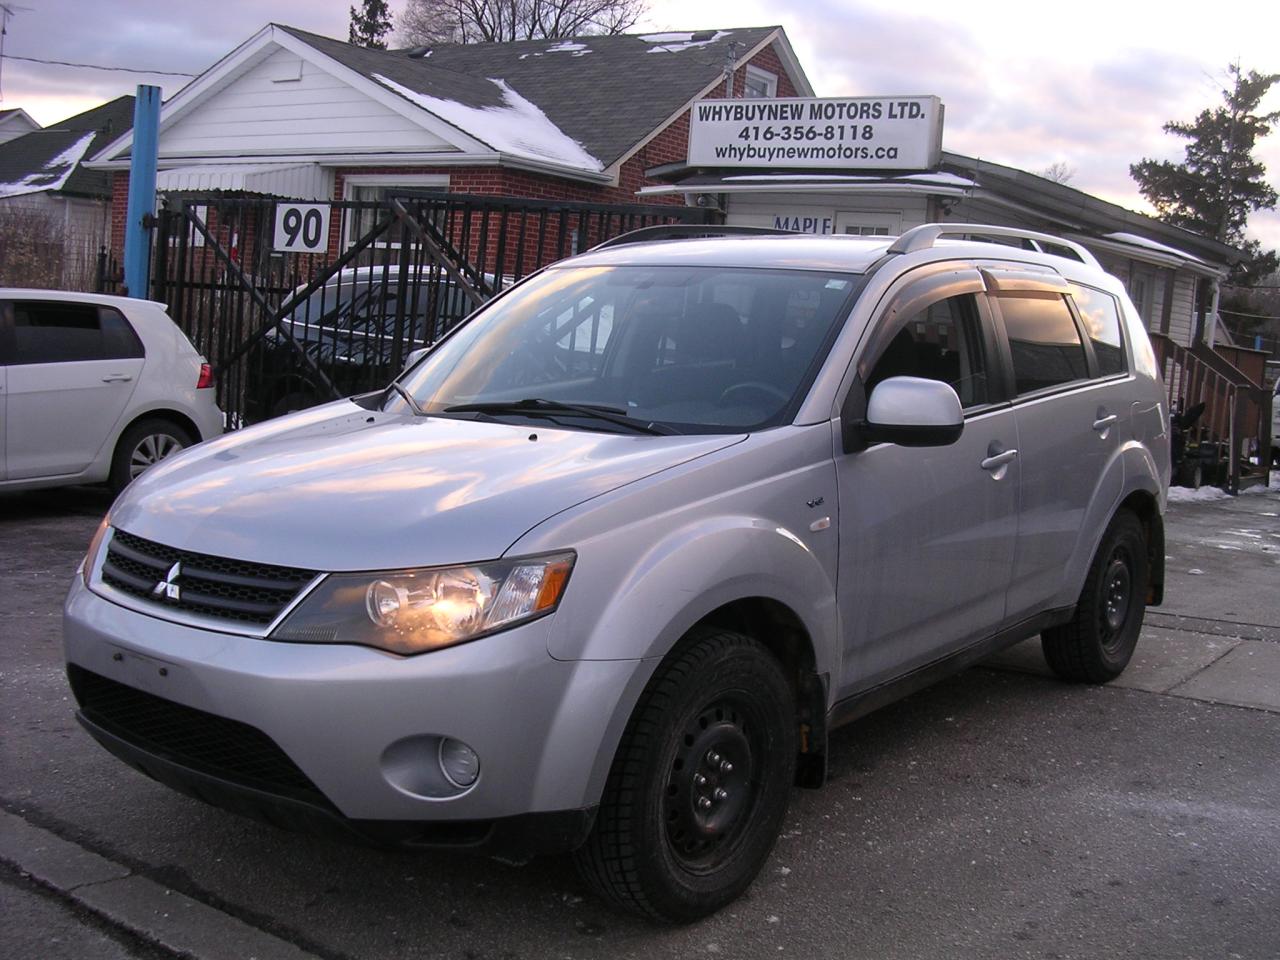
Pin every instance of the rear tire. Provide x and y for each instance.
(144, 445)
(1097, 643)
(699, 787)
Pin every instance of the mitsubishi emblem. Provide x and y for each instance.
(168, 587)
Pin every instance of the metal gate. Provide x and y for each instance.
(353, 287)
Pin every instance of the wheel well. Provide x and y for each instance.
(1143, 506)
(173, 416)
(777, 627)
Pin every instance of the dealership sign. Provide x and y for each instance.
(871, 133)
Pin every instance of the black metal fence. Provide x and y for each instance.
(295, 304)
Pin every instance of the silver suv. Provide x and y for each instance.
(602, 570)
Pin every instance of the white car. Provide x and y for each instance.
(95, 389)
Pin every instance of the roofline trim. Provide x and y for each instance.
(485, 158)
(1154, 257)
(794, 187)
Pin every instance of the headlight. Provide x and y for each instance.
(413, 611)
(95, 545)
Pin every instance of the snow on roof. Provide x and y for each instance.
(675, 42)
(564, 46)
(518, 127)
(54, 173)
(568, 46)
(937, 179)
(1137, 241)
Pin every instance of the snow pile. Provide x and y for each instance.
(55, 171)
(1188, 495)
(675, 42)
(517, 127)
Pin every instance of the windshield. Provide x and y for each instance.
(702, 349)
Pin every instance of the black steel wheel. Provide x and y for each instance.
(1097, 643)
(699, 786)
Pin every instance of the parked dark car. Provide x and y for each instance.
(350, 329)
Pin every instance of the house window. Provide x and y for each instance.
(886, 223)
(1142, 285)
(759, 83)
(372, 192)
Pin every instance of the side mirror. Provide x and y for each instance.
(414, 356)
(913, 412)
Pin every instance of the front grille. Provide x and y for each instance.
(218, 587)
(204, 742)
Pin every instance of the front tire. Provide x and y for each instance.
(699, 787)
(144, 445)
(1097, 643)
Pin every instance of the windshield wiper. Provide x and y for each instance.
(538, 407)
(408, 398)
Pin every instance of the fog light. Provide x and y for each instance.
(459, 762)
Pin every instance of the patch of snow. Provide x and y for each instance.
(1134, 240)
(517, 127)
(941, 179)
(1204, 494)
(675, 42)
(55, 171)
(568, 46)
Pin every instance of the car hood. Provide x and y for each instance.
(339, 487)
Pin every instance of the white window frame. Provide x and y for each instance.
(418, 180)
(770, 80)
(888, 220)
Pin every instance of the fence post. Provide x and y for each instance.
(141, 208)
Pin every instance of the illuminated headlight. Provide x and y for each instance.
(413, 611)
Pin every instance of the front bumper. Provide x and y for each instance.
(358, 725)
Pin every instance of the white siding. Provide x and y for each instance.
(1182, 318)
(818, 212)
(258, 114)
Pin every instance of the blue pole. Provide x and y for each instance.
(142, 192)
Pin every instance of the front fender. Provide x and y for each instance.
(665, 588)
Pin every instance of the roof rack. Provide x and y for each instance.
(924, 236)
(687, 231)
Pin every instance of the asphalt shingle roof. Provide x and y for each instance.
(32, 158)
(606, 92)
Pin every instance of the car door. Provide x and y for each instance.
(73, 368)
(1072, 392)
(927, 533)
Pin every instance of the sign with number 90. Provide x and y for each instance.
(302, 228)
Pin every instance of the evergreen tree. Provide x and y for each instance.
(1218, 185)
(370, 24)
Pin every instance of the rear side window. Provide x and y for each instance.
(1043, 340)
(119, 342)
(1101, 316)
(58, 332)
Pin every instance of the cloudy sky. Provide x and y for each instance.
(1089, 85)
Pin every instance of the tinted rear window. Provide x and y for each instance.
(1044, 341)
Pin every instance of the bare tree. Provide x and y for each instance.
(1059, 172)
(426, 22)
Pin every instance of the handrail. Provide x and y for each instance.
(926, 235)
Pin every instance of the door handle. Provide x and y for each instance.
(1102, 423)
(996, 461)
(116, 378)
